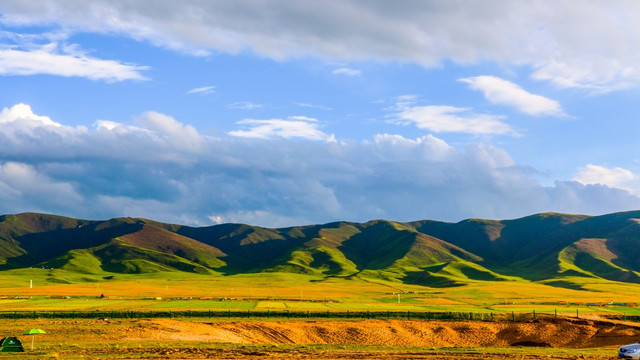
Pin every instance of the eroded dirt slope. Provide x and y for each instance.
(243, 340)
(551, 332)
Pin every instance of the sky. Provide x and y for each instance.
(280, 113)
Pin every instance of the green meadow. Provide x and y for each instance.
(549, 263)
(297, 292)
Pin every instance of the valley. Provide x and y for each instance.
(560, 284)
(545, 261)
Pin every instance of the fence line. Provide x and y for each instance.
(267, 314)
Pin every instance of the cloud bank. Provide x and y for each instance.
(589, 45)
(163, 169)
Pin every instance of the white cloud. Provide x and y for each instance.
(442, 118)
(589, 44)
(25, 188)
(259, 217)
(69, 63)
(182, 136)
(202, 90)
(307, 105)
(244, 105)
(112, 126)
(160, 138)
(216, 219)
(294, 127)
(19, 122)
(23, 112)
(613, 177)
(398, 146)
(593, 75)
(347, 72)
(503, 92)
(115, 169)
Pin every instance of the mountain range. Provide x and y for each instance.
(545, 247)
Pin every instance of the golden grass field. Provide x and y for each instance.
(277, 291)
(563, 338)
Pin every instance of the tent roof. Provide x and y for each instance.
(10, 340)
(11, 343)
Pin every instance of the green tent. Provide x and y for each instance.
(11, 344)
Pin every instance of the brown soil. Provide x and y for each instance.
(409, 339)
(552, 333)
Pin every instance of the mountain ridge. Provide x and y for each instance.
(542, 247)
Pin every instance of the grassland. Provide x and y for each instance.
(297, 292)
(542, 261)
(278, 293)
(545, 265)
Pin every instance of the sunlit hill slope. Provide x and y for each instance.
(550, 248)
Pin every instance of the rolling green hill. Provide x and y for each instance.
(556, 249)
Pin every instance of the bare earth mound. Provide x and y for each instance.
(552, 332)
(370, 339)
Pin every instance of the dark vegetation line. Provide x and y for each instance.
(356, 315)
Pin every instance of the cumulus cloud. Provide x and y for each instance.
(589, 44)
(182, 136)
(116, 169)
(23, 186)
(20, 126)
(575, 197)
(503, 92)
(613, 177)
(24, 134)
(443, 118)
(294, 127)
(401, 147)
(23, 113)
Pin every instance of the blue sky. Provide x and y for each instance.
(282, 113)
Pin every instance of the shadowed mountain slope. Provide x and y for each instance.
(543, 247)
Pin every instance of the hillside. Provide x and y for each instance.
(556, 249)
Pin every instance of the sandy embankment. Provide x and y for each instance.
(549, 332)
